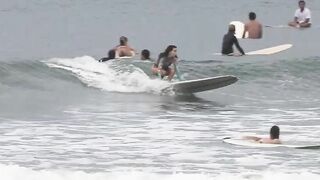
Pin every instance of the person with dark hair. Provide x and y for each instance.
(111, 55)
(145, 55)
(253, 27)
(165, 60)
(123, 49)
(229, 40)
(302, 16)
(273, 139)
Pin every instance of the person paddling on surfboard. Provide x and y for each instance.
(111, 55)
(253, 27)
(273, 139)
(123, 49)
(228, 40)
(165, 60)
(302, 16)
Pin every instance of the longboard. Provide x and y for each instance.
(265, 51)
(270, 50)
(205, 84)
(251, 143)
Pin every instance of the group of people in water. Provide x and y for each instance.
(168, 58)
(252, 29)
(161, 67)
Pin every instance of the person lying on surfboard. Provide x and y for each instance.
(165, 60)
(302, 16)
(111, 55)
(228, 40)
(253, 27)
(123, 49)
(273, 139)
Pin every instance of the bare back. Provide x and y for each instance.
(254, 29)
(124, 51)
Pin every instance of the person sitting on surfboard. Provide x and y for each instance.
(124, 49)
(253, 27)
(273, 139)
(167, 58)
(228, 40)
(302, 16)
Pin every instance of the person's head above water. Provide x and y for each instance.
(274, 132)
(123, 40)
(302, 4)
(252, 16)
(232, 28)
(145, 54)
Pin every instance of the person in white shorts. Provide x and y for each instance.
(302, 16)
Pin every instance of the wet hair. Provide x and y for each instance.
(123, 40)
(274, 132)
(232, 28)
(252, 16)
(168, 50)
(145, 53)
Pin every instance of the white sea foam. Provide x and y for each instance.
(109, 76)
(14, 172)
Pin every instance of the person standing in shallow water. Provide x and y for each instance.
(302, 16)
(229, 40)
(253, 27)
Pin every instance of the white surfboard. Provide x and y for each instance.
(277, 26)
(239, 29)
(270, 50)
(251, 143)
(205, 84)
(265, 51)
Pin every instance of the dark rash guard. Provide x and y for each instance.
(228, 40)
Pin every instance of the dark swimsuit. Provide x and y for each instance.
(228, 40)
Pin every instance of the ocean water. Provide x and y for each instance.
(65, 116)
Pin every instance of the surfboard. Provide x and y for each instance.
(251, 143)
(270, 50)
(277, 26)
(205, 84)
(265, 51)
(239, 29)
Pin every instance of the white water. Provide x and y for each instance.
(13, 172)
(108, 78)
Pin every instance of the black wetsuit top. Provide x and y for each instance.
(228, 40)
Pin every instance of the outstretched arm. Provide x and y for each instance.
(245, 30)
(235, 40)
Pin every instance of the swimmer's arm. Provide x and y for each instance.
(245, 30)
(307, 20)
